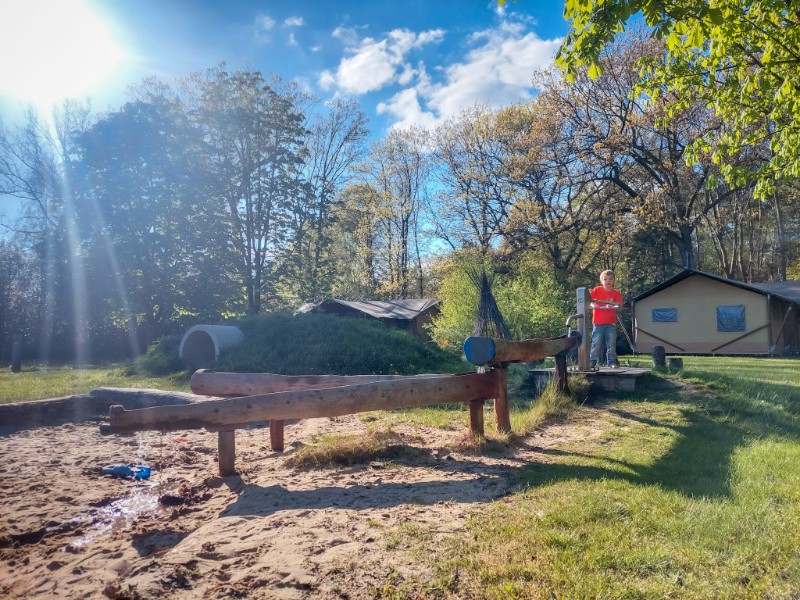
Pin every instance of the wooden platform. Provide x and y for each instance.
(622, 379)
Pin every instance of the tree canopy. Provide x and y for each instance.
(741, 58)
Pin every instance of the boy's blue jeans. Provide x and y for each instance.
(604, 335)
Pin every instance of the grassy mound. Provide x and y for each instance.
(313, 344)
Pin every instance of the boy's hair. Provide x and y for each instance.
(607, 272)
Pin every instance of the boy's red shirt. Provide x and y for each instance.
(605, 316)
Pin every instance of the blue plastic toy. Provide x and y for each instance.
(134, 472)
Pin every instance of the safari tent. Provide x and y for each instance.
(410, 315)
(699, 313)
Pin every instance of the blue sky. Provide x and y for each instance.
(407, 62)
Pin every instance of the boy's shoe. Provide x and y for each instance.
(593, 366)
(613, 366)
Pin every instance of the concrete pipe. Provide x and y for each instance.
(202, 344)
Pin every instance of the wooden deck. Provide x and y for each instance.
(622, 379)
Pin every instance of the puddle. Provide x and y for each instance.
(121, 514)
(141, 500)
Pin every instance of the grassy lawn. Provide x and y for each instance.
(687, 494)
(53, 382)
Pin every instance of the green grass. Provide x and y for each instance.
(35, 383)
(684, 495)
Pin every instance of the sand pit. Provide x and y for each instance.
(271, 531)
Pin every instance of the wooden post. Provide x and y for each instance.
(226, 444)
(476, 417)
(276, 434)
(659, 356)
(501, 413)
(583, 309)
(16, 353)
(562, 385)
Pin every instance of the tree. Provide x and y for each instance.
(398, 171)
(154, 249)
(335, 142)
(475, 198)
(254, 136)
(739, 57)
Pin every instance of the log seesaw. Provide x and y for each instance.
(224, 402)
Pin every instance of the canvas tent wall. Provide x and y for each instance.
(410, 315)
(699, 313)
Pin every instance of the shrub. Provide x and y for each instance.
(162, 357)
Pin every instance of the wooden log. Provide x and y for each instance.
(226, 446)
(276, 434)
(502, 415)
(210, 383)
(493, 351)
(308, 404)
(144, 397)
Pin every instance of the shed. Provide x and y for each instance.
(699, 313)
(411, 315)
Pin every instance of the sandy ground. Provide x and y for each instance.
(271, 531)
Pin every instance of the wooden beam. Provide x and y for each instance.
(494, 351)
(307, 404)
(210, 383)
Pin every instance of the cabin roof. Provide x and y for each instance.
(786, 290)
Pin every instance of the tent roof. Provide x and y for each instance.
(787, 290)
(383, 309)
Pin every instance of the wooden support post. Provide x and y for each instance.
(562, 386)
(226, 445)
(476, 417)
(276, 434)
(501, 414)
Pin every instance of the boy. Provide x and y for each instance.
(605, 301)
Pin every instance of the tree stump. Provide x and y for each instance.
(659, 356)
(674, 363)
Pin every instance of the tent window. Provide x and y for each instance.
(665, 315)
(730, 318)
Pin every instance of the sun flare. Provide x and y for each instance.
(52, 50)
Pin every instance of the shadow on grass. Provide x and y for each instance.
(699, 461)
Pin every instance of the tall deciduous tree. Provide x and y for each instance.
(255, 140)
(740, 57)
(398, 171)
(335, 143)
(475, 196)
(147, 234)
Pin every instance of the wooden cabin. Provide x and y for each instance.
(699, 313)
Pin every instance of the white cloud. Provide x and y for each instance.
(261, 28)
(405, 107)
(497, 71)
(376, 63)
(294, 22)
(292, 40)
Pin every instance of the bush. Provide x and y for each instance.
(161, 357)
